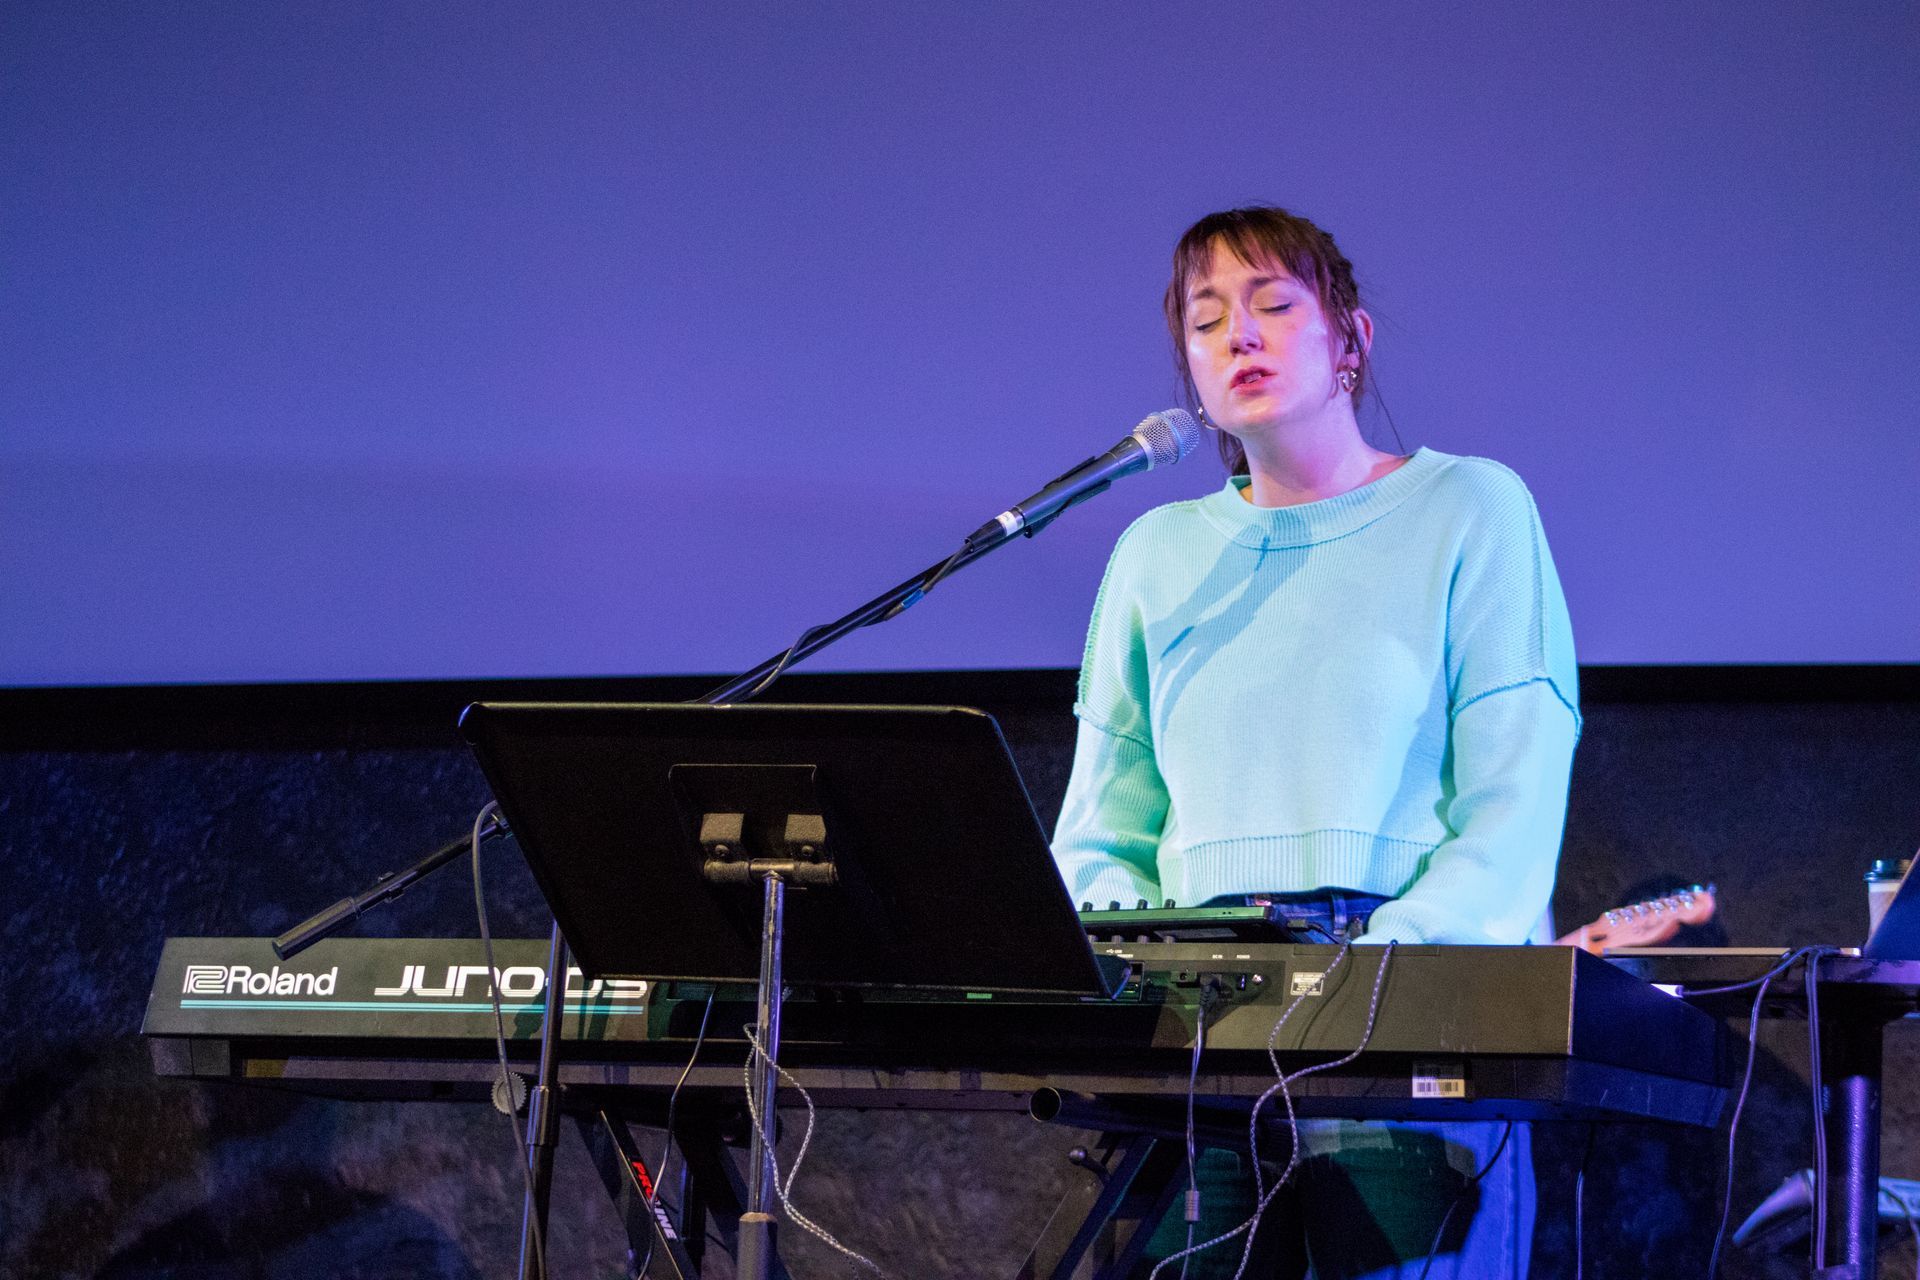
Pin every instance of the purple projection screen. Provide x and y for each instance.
(364, 340)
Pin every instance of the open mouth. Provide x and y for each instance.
(1249, 376)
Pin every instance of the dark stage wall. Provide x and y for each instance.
(127, 816)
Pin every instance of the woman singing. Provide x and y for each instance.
(1343, 683)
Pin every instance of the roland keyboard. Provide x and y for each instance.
(1508, 1032)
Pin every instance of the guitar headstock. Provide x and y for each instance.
(1645, 924)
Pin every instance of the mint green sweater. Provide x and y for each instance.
(1375, 691)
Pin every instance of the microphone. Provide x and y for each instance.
(1160, 440)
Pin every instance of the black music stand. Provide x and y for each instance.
(666, 838)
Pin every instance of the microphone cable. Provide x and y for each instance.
(522, 1156)
(1459, 1197)
(1265, 1195)
(666, 1145)
(927, 583)
(1818, 1093)
(1208, 994)
(1580, 1205)
(761, 1124)
(1763, 982)
(1283, 1083)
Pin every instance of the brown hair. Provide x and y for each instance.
(1265, 233)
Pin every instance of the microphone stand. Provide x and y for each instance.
(887, 605)
(390, 885)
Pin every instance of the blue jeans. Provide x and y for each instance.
(1368, 1197)
(1328, 915)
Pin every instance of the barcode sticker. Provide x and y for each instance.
(1432, 1080)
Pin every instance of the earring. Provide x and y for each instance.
(1348, 379)
(1200, 411)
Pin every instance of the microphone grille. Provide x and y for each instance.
(1169, 436)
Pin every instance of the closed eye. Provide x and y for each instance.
(1277, 309)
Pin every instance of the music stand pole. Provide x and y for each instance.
(757, 1246)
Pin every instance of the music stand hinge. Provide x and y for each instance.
(798, 854)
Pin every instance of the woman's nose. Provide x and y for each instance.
(1243, 330)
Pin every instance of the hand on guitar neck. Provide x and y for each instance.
(1644, 924)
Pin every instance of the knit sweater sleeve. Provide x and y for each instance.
(1491, 879)
(1514, 720)
(1107, 841)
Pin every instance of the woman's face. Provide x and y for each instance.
(1259, 346)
